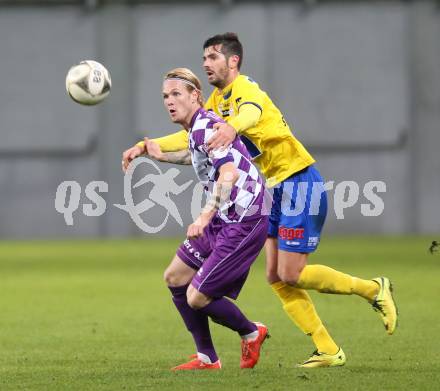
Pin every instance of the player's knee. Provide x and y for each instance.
(289, 276)
(172, 278)
(194, 304)
(290, 267)
(196, 300)
(272, 275)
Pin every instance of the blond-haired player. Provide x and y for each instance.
(223, 242)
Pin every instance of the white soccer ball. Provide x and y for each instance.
(88, 82)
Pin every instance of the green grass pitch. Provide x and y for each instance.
(96, 315)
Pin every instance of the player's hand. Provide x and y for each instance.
(129, 155)
(195, 230)
(153, 149)
(223, 137)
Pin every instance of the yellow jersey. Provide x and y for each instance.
(270, 142)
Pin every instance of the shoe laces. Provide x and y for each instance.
(197, 363)
(245, 349)
(314, 354)
(378, 307)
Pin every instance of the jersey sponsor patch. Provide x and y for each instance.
(226, 109)
(290, 243)
(313, 241)
(190, 248)
(290, 233)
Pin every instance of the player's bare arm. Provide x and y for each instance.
(130, 154)
(178, 157)
(228, 175)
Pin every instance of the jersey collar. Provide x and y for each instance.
(193, 119)
(227, 91)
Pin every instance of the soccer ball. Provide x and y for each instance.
(88, 82)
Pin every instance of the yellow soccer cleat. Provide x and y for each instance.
(385, 305)
(321, 360)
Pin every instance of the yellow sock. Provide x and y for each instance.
(299, 307)
(327, 280)
(368, 289)
(323, 342)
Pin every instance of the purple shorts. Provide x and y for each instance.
(224, 255)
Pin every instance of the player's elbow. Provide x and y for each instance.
(229, 173)
(235, 176)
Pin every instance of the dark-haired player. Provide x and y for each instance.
(289, 168)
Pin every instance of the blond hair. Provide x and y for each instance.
(188, 77)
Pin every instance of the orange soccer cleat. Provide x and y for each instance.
(196, 364)
(250, 350)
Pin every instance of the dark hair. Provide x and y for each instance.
(230, 45)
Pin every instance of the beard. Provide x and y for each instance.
(221, 78)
